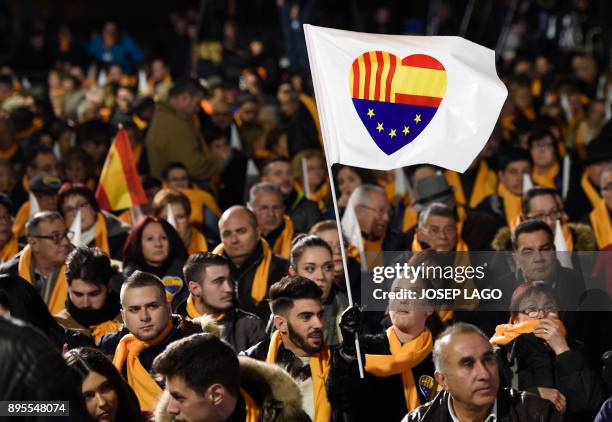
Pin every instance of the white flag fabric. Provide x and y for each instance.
(170, 216)
(305, 181)
(389, 101)
(34, 207)
(563, 254)
(76, 230)
(351, 230)
(527, 183)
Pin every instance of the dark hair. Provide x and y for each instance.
(33, 152)
(273, 138)
(89, 264)
(186, 85)
(78, 154)
(540, 133)
(140, 279)
(200, 360)
(510, 155)
(302, 242)
(528, 289)
(84, 361)
(268, 163)
(68, 190)
(132, 250)
(530, 226)
(5, 201)
(290, 288)
(95, 131)
(534, 193)
(197, 263)
(170, 196)
(367, 176)
(173, 166)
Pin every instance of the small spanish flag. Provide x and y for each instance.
(120, 186)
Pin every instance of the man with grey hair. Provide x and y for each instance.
(437, 229)
(467, 370)
(266, 202)
(373, 211)
(41, 262)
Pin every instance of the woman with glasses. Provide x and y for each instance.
(98, 228)
(154, 246)
(536, 356)
(106, 395)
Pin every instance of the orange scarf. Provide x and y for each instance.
(253, 412)
(7, 154)
(101, 236)
(127, 352)
(512, 203)
(411, 218)
(137, 153)
(600, 221)
(589, 190)
(402, 359)
(107, 327)
(57, 301)
(505, 333)
(445, 314)
(197, 242)
(546, 179)
(282, 245)
(22, 217)
(199, 200)
(9, 249)
(319, 196)
(319, 369)
(259, 287)
(193, 312)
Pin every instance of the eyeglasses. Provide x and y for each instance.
(437, 231)
(542, 145)
(533, 311)
(379, 211)
(75, 209)
(55, 237)
(275, 209)
(552, 215)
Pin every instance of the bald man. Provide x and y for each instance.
(254, 267)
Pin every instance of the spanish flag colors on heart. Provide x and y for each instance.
(389, 101)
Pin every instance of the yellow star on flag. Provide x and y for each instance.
(370, 112)
(392, 133)
(380, 128)
(417, 118)
(406, 130)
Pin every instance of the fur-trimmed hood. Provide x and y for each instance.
(584, 239)
(276, 393)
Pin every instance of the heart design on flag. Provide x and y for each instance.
(396, 98)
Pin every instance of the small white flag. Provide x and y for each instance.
(352, 231)
(76, 230)
(34, 207)
(102, 78)
(401, 184)
(143, 86)
(527, 183)
(563, 254)
(170, 216)
(566, 176)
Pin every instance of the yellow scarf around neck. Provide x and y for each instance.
(22, 217)
(319, 195)
(505, 333)
(546, 179)
(589, 190)
(282, 245)
(193, 312)
(101, 236)
(197, 242)
(9, 249)
(259, 288)
(319, 369)
(402, 359)
(127, 352)
(461, 245)
(253, 412)
(57, 301)
(104, 328)
(600, 221)
(512, 203)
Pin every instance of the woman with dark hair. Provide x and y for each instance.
(347, 179)
(98, 228)
(535, 354)
(154, 246)
(311, 257)
(106, 395)
(78, 167)
(8, 243)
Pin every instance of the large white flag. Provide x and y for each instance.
(389, 101)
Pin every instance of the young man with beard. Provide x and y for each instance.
(92, 307)
(211, 292)
(298, 344)
(149, 328)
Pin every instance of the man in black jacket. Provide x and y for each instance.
(467, 370)
(253, 265)
(211, 292)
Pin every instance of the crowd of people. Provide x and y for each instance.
(225, 297)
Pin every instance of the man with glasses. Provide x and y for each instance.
(41, 262)
(266, 202)
(437, 230)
